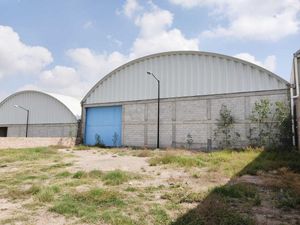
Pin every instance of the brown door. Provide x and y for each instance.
(3, 131)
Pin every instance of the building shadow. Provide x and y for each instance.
(219, 209)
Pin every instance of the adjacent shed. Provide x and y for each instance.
(121, 108)
(49, 115)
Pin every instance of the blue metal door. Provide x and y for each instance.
(103, 124)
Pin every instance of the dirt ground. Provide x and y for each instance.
(158, 186)
(88, 160)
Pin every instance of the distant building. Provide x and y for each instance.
(121, 109)
(50, 115)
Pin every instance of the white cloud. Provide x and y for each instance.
(269, 63)
(114, 40)
(157, 35)
(131, 7)
(59, 76)
(91, 64)
(88, 68)
(251, 19)
(19, 58)
(63, 80)
(88, 25)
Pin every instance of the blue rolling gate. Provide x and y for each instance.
(103, 124)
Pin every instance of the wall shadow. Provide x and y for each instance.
(216, 209)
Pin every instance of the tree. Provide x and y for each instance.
(272, 124)
(224, 133)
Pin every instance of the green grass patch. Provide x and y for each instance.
(63, 174)
(182, 196)
(178, 160)
(95, 174)
(81, 147)
(87, 205)
(56, 166)
(116, 217)
(80, 174)
(237, 191)
(272, 160)
(287, 199)
(131, 189)
(231, 162)
(159, 215)
(43, 194)
(47, 194)
(117, 177)
(214, 210)
(26, 154)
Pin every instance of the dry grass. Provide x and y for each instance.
(41, 177)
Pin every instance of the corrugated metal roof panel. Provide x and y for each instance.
(183, 73)
(43, 108)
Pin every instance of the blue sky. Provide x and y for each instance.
(66, 46)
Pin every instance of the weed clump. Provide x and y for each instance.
(86, 205)
(237, 191)
(117, 177)
(178, 160)
(79, 174)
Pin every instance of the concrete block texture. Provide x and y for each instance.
(165, 135)
(42, 130)
(134, 112)
(198, 131)
(165, 112)
(133, 135)
(32, 142)
(236, 105)
(194, 110)
(190, 115)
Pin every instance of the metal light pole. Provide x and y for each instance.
(27, 119)
(158, 103)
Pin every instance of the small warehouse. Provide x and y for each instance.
(38, 114)
(122, 109)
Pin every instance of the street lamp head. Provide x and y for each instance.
(16, 106)
(149, 73)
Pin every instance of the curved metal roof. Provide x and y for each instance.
(43, 107)
(182, 73)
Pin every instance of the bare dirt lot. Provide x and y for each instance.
(124, 186)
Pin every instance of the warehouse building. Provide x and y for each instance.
(121, 109)
(38, 114)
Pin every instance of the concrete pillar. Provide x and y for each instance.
(174, 124)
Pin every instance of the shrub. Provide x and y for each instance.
(99, 141)
(224, 133)
(272, 124)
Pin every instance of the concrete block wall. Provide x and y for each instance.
(42, 130)
(195, 115)
(32, 142)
